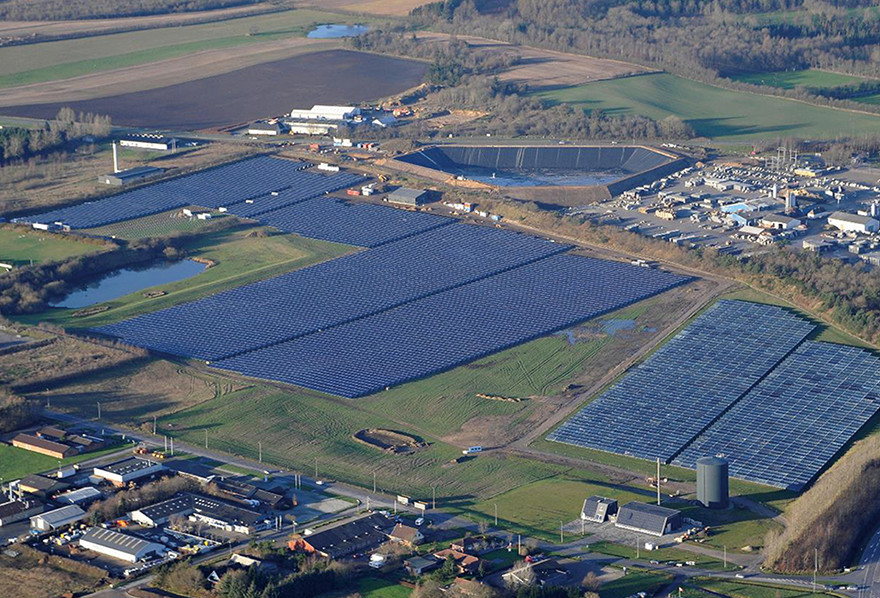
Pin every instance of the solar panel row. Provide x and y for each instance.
(786, 429)
(308, 185)
(212, 188)
(366, 225)
(453, 327)
(658, 408)
(330, 293)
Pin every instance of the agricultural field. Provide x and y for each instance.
(714, 112)
(49, 61)
(803, 78)
(237, 256)
(21, 246)
(336, 76)
(384, 8)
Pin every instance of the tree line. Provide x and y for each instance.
(50, 10)
(15, 411)
(21, 143)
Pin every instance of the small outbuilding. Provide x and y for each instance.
(648, 519)
(598, 509)
(130, 176)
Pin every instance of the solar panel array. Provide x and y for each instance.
(453, 327)
(657, 408)
(786, 429)
(366, 225)
(308, 185)
(212, 188)
(333, 292)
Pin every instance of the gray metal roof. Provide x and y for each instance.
(117, 541)
(127, 466)
(79, 495)
(644, 516)
(407, 193)
(61, 516)
(167, 508)
(854, 218)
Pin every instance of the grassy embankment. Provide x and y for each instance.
(715, 112)
(20, 246)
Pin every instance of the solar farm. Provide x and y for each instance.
(739, 381)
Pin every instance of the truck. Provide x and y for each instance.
(472, 450)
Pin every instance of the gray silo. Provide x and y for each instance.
(712, 482)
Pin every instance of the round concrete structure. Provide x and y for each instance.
(712, 482)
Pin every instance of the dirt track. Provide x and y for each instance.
(163, 73)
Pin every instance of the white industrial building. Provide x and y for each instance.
(52, 520)
(148, 141)
(271, 129)
(118, 545)
(853, 222)
(79, 496)
(780, 222)
(128, 470)
(319, 112)
(310, 128)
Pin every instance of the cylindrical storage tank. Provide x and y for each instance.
(712, 490)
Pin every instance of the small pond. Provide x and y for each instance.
(129, 280)
(336, 31)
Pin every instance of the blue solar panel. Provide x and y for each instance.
(212, 188)
(657, 408)
(333, 292)
(453, 327)
(784, 431)
(308, 186)
(366, 225)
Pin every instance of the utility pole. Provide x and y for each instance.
(99, 409)
(658, 480)
(166, 443)
(638, 549)
(433, 497)
(374, 482)
(172, 446)
(815, 567)
(725, 556)
(260, 444)
(496, 514)
(154, 425)
(316, 469)
(561, 537)
(206, 437)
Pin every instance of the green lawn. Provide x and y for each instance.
(664, 555)
(803, 78)
(715, 112)
(48, 61)
(373, 587)
(16, 463)
(739, 589)
(635, 581)
(19, 246)
(239, 257)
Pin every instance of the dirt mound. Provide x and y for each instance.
(389, 440)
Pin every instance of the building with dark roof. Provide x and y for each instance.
(52, 433)
(348, 538)
(162, 512)
(192, 469)
(80, 496)
(648, 519)
(148, 141)
(41, 486)
(419, 565)
(14, 511)
(406, 535)
(118, 545)
(132, 175)
(43, 446)
(408, 197)
(598, 509)
(205, 509)
(128, 470)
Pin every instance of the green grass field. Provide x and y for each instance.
(157, 225)
(712, 111)
(738, 589)
(664, 555)
(635, 581)
(16, 463)
(239, 259)
(802, 78)
(48, 61)
(20, 246)
(373, 587)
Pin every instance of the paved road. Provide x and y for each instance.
(869, 569)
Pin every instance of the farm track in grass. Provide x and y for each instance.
(240, 256)
(715, 112)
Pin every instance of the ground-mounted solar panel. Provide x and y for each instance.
(792, 423)
(333, 292)
(362, 224)
(305, 185)
(211, 188)
(454, 327)
(662, 404)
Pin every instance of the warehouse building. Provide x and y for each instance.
(40, 486)
(118, 545)
(80, 496)
(162, 512)
(408, 197)
(780, 222)
(147, 141)
(318, 112)
(128, 470)
(14, 511)
(130, 176)
(300, 127)
(204, 509)
(271, 129)
(853, 222)
(44, 446)
(359, 535)
(52, 520)
(598, 509)
(648, 519)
